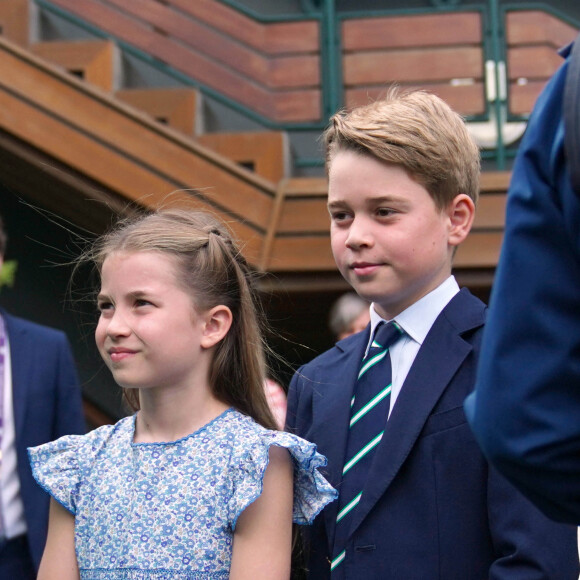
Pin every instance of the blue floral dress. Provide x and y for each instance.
(148, 511)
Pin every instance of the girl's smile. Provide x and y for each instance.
(148, 333)
(119, 354)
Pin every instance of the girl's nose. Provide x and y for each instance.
(117, 325)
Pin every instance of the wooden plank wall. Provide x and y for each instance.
(533, 39)
(14, 20)
(442, 53)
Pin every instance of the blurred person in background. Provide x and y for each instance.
(349, 314)
(40, 400)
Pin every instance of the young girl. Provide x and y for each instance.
(196, 484)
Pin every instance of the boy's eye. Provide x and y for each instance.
(102, 306)
(339, 216)
(385, 212)
(142, 302)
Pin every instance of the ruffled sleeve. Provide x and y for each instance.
(311, 490)
(56, 469)
(59, 466)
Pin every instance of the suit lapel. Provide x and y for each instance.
(331, 412)
(436, 363)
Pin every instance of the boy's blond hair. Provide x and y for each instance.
(417, 131)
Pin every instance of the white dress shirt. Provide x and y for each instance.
(10, 501)
(416, 321)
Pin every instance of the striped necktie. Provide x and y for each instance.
(369, 413)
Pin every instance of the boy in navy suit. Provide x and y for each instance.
(403, 183)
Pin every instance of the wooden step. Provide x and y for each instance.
(14, 21)
(91, 60)
(265, 152)
(175, 107)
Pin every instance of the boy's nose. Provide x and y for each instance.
(359, 235)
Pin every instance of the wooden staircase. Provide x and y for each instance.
(272, 68)
(140, 145)
(146, 146)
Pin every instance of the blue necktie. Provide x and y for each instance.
(369, 413)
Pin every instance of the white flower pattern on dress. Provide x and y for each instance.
(151, 511)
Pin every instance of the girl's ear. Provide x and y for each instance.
(216, 324)
(461, 212)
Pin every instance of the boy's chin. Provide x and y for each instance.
(367, 291)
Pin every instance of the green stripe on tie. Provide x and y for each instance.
(368, 447)
(348, 507)
(337, 560)
(370, 405)
(372, 362)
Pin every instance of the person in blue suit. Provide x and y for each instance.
(41, 401)
(525, 410)
(403, 182)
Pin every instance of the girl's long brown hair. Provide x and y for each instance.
(211, 268)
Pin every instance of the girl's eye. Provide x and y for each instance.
(102, 306)
(142, 302)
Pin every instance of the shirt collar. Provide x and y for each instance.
(418, 319)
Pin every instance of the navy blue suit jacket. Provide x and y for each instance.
(432, 508)
(526, 408)
(47, 404)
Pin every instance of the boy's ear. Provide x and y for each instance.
(216, 324)
(461, 212)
